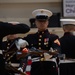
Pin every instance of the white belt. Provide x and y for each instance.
(67, 61)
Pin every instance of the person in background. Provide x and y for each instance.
(43, 39)
(67, 41)
(6, 29)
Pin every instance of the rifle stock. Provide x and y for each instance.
(37, 53)
(10, 67)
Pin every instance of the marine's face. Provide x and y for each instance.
(41, 25)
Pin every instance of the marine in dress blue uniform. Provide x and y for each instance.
(68, 39)
(67, 42)
(42, 40)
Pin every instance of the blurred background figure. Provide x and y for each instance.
(6, 29)
(10, 39)
(43, 39)
(68, 39)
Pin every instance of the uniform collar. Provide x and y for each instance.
(42, 32)
(69, 33)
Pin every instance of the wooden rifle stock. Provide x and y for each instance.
(10, 67)
(37, 53)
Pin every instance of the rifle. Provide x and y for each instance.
(36, 52)
(15, 70)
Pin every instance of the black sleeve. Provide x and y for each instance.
(56, 43)
(8, 28)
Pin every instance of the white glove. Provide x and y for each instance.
(47, 56)
(21, 43)
(20, 69)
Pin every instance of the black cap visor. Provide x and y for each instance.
(41, 18)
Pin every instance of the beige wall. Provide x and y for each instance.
(27, 1)
(22, 11)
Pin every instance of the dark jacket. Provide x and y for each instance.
(68, 45)
(43, 40)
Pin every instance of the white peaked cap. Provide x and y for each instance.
(67, 21)
(43, 12)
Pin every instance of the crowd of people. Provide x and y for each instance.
(42, 39)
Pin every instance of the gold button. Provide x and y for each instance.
(8, 43)
(46, 45)
(42, 32)
(7, 54)
(46, 42)
(40, 36)
(7, 47)
(39, 47)
(39, 43)
(39, 39)
(31, 44)
(42, 59)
